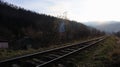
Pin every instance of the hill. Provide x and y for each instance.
(108, 27)
(22, 27)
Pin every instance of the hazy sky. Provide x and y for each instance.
(79, 10)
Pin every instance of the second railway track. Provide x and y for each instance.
(41, 59)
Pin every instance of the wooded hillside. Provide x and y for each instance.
(20, 25)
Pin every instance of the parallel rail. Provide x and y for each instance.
(41, 59)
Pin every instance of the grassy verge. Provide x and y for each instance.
(6, 53)
(104, 54)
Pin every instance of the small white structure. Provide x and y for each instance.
(3, 44)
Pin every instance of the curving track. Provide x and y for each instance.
(41, 59)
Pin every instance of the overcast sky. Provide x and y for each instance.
(78, 10)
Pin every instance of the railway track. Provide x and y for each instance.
(41, 59)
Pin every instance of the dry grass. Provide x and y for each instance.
(105, 54)
(114, 55)
(5, 53)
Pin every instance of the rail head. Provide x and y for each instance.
(29, 55)
(82, 48)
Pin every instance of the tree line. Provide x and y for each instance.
(20, 25)
(117, 33)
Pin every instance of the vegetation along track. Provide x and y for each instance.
(41, 59)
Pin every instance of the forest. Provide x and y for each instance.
(117, 33)
(21, 27)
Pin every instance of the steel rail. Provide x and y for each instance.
(77, 47)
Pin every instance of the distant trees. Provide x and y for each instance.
(17, 23)
(117, 33)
